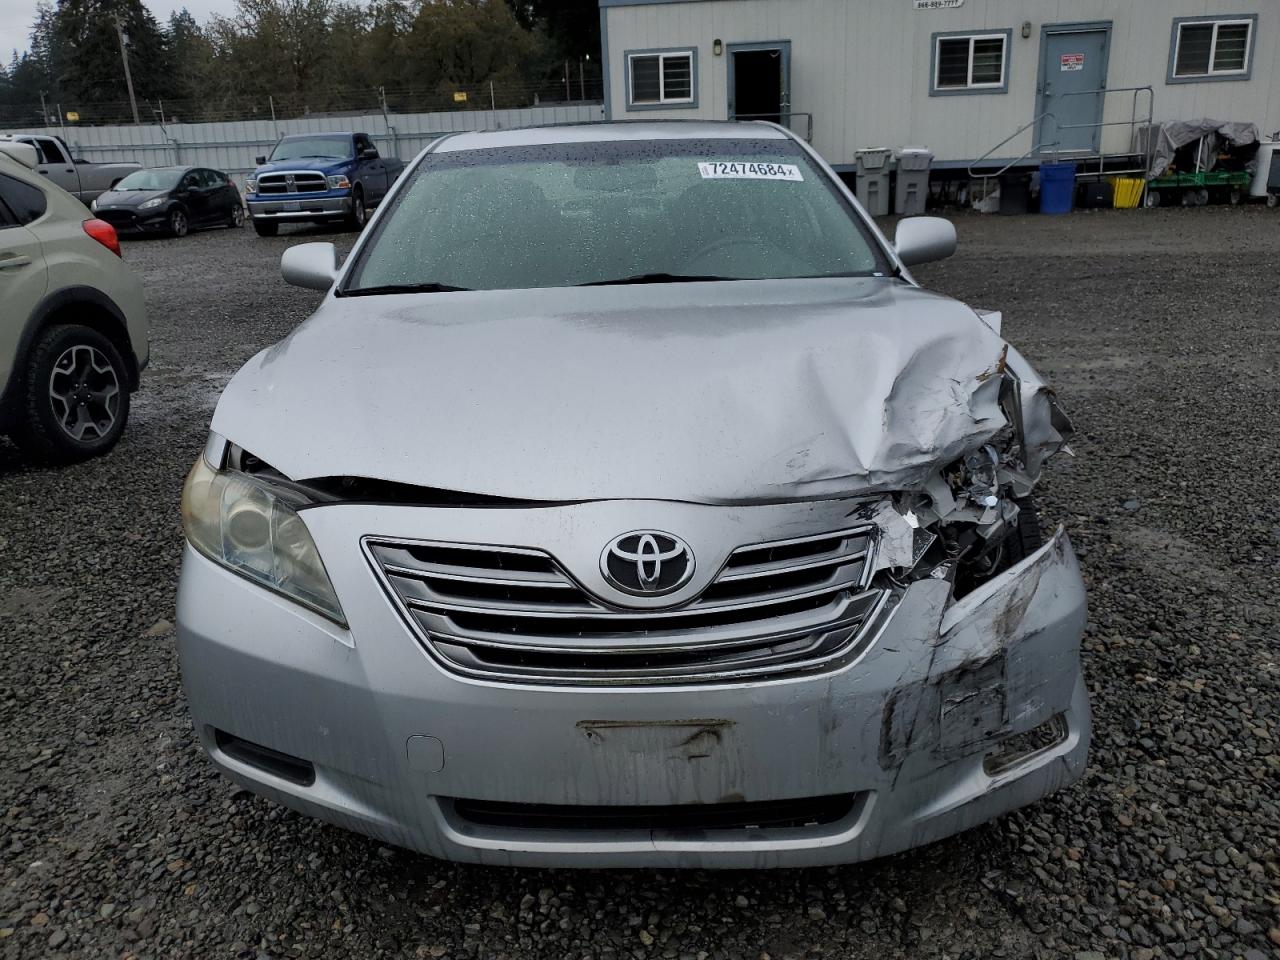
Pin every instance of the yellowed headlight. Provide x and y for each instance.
(244, 525)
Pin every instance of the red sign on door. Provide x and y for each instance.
(1073, 61)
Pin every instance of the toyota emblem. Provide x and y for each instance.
(647, 563)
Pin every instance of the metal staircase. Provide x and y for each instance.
(1092, 164)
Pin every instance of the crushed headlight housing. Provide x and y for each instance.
(253, 529)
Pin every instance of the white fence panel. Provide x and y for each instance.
(233, 146)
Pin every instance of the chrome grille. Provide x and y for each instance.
(302, 182)
(514, 614)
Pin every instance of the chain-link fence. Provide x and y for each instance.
(572, 88)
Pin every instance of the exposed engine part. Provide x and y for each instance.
(973, 518)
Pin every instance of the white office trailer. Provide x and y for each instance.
(974, 80)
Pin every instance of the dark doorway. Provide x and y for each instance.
(758, 83)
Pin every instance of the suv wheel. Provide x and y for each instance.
(76, 395)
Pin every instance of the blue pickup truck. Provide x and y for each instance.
(319, 178)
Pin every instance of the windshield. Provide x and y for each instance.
(619, 211)
(338, 148)
(150, 180)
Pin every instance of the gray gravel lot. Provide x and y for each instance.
(1159, 329)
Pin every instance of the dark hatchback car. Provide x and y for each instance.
(172, 200)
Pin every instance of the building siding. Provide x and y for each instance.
(861, 67)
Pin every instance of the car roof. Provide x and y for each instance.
(611, 132)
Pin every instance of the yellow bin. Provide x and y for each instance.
(1127, 192)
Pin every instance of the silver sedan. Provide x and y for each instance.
(627, 502)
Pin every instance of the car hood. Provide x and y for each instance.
(308, 163)
(748, 391)
(128, 198)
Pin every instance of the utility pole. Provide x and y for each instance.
(582, 83)
(44, 111)
(567, 95)
(128, 77)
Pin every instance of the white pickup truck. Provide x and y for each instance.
(80, 178)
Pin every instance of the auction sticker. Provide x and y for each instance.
(738, 170)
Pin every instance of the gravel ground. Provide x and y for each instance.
(1159, 329)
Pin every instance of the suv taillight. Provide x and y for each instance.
(104, 233)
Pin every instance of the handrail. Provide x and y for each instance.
(1033, 149)
(1046, 146)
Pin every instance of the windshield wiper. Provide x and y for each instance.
(390, 288)
(657, 278)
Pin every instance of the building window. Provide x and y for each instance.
(1212, 49)
(660, 78)
(975, 62)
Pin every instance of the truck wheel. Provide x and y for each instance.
(358, 215)
(178, 225)
(75, 395)
(265, 228)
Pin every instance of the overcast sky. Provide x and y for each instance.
(16, 17)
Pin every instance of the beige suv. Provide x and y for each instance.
(73, 328)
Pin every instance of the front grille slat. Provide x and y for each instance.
(278, 183)
(531, 601)
(511, 578)
(566, 611)
(701, 635)
(513, 614)
(740, 573)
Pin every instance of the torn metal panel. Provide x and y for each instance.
(988, 674)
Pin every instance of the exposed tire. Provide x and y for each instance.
(1153, 198)
(237, 217)
(179, 225)
(359, 214)
(265, 228)
(1026, 537)
(75, 399)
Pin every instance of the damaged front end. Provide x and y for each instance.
(973, 516)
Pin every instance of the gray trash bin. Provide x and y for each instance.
(912, 188)
(873, 179)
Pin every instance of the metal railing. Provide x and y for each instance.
(1048, 121)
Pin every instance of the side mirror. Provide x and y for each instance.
(259, 160)
(79, 160)
(310, 265)
(924, 239)
(369, 153)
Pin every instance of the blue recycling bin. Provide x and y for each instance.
(1057, 187)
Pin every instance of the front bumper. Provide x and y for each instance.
(393, 738)
(129, 220)
(300, 206)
